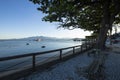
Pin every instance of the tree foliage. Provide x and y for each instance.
(91, 15)
(75, 13)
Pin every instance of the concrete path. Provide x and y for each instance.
(112, 67)
(68, 70)
(112, 63)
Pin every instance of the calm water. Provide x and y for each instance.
(10, 48)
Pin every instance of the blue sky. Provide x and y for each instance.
(20, 18)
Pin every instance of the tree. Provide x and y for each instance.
(91, 15)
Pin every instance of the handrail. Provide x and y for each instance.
(36, 53)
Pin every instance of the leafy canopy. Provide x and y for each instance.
(84, 14)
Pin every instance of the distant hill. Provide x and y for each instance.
(39, 38)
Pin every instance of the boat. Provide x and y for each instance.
(43, 46)
(27, 44)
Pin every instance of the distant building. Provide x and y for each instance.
(38, 39)
(76, 39)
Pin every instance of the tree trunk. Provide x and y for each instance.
(105, 25)
(110, 36)
(102, 38)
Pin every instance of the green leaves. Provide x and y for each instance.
(82, 14)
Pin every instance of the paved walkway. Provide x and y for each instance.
(68, 70)
(112, 67)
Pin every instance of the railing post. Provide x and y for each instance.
(73, 50)
(90, 44)
(93, 43)
(86, 44)
(33, 62)
(81, 47)
(60, 54)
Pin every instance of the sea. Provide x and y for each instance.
(13, 47)
(18, 47)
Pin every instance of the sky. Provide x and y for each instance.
(20, 19)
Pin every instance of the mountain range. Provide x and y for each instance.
(37, 38)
